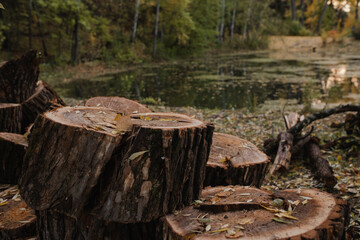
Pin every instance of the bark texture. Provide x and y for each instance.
(122, 105)
(240, 213)
(283, 156)
(235, 161)
(17, 220)
(44, 99)
(52, 225)
(10, 117)
(154, 167)
(18, 78)
(320, 164)
(12, 151)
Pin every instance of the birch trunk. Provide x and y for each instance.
(322, 16)
(233, 21)
(156, 26)
(137, 3)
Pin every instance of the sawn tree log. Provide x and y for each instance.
(12, 151)
(17, 220)
(77, 160)
(10, 117)
(235, 161)
(119, 104)
(44, 99)
(233, 212)
(18, 78)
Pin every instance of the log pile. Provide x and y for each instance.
(114, 170)
(22, 97)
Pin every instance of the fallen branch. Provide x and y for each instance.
(321, 166)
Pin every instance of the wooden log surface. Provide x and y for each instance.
(44, 99)
(12, 151)
(154, 167)
(10, 117)
(235, 161)
(52, 225)
(18, 78)
(246, 213)
(119, 104)
(283, 155)
(17, 220)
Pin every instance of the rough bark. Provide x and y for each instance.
(44, 99)
(322, 16)
(154, 167)
(156, 27)
(293, 10)
(320, 164)
(137, 3)
(12, 151)
(10, 117)
(17, 220)
(119, 104)
(18, 78)
(235, 161)
(40, 29)
(233, 21)
(238, 213)
(52, 225)
(283, 156)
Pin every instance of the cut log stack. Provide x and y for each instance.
(22, 97)
(154, 165)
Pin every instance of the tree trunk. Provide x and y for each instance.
(357, 10)
(233, 212)
(44, 99)
(156, 27)
(40, 29)
(30, 24)
(293, 10)
(12, 151)
(137, 3)
(118, 104)
(17, 220)
(10, 117)
(233, 21)
(156, 164)
(302, 19)
(18, 78)
(222, 24)
(52, 225)
(75, 43)
(235, 161)
(245, 32)
(320, 164)
(322, 16)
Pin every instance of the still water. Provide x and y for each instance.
(232, 81)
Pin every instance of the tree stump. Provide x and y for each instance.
(10, 117)
(18, 78)
(119, 104)
(44, 99)
(235, 161)
(17, 220)
(248, 213)
(76, 159)
(12, 151)
(52, 225)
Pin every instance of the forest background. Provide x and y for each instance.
(137, 31)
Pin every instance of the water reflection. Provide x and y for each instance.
(234, 81)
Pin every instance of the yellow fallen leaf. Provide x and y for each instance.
(3, 203)
(275, 210)
(245, 221)
(137, 154)
(118, 117)
(219, 230)
(225, 159)
(305, 202)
